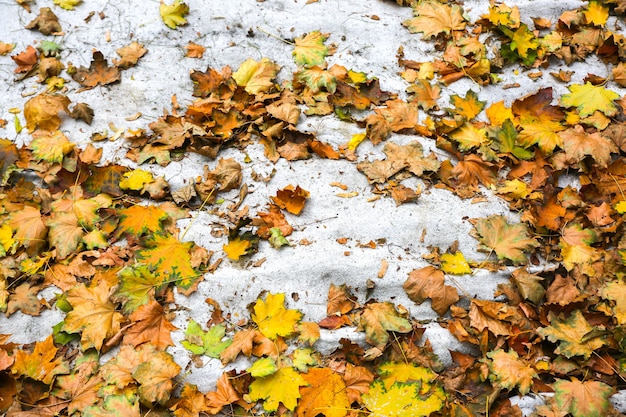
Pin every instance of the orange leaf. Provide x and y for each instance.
(583, 398)
(224, 394)
(151, 325)
(24, 298)
(98, 72)
(156, 377)
(41, 364)
(340, 300)
(42, 111)
(326, 394)
(191, 402)
(291, 199)
(357, 380)
(139, 220)
(242, 343)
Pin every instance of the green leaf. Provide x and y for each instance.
(138, 286)
(263, 367)
(276, 238)
(588, 98)
(208, 343)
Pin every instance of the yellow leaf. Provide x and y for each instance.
(616, 291)
(173, 15)
(469, 137)
(516, 189)
(393, 372)
(498, 113)
(596, 14)
(509, 371)
(67, 4)
(455, 264)
(310, 49)
(403, 400)
(236, 248)
(588, 98)
(7, 243)
(432, 18)
(280, 387)
(136, 179)
(325, 394)
(272, 317)
(356, 140)
(93, 314)
(621, 207)
(41, 364)
(51, 147)
(571, 335)
(256, 77)
(262, 368)
(171, 260)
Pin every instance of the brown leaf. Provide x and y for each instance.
(47, 22)
(83, 112)
(224, 395)
(492, 315)
(291, 199)
(340, 300)
(98, 73)
(273, 218)
(24, 299)
(358, 380)
(130, 55)
(429, 282)
(150, 325)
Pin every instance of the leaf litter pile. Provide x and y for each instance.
(105, 234)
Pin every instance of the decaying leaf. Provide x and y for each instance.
(98, 73)
(428, 282)
(508, 241)
(378, 319)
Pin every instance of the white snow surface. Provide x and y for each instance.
(368, 34)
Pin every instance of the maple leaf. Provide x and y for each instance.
(455, 263)
(237, 247)
(41, 364)
(432, 18)
(208, 343)
(115, 406)
(358, 380)
(98, 73)
(139, 220)
(399, 157)
(224, 394)
(468, 136)
(428, 282)
(93, 314)
(80, 388)
(262, 367)
(190, 403)
(508, 241)
(340, 300)
(42, 111)
(256, 77)
(272, 317)
(194, 50)
(25, 60)
(170, 259)
(492, 315)
(528, 285)
(136, 179)
(467, 107)
(155, 377)
(291, 199)
(403, 399)
(7, 243)
(509, 371)
(539, 120)
(523, 40)
(325, 393)
(46, 22)
(280, 387)
(310, 49)
(377, 319)
(29, 228)
(67, 4)
(173, 15)
(64, 233)
(8, 156)
(129, 55)
(583, 398)
(596, 14)
(150, 325)
(577, 144)
(138, 286)
(589, 98)
(571, 334)
(50, 147)
(616, 291)
(24, 298)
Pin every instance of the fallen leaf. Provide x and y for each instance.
(209, 343)
(156, 377)
(570, 334)
(93, 315)
(194, 50)
(291, 199)
(280, 387)
(508, 241)
(98, 73)
(428, 282)
(432, 18)
(24, 298)
(272, 317)
(173, 15)
(42, 364)
(129, 55)
(256, 77)
(583, 398)
(589, 98)
(310, 49)
(224, 395)
(46, 22)
(378, 319)
(455, 263)
(25, 60)
(67, 4)
(509, 371)
(42, 111)
(150, 325)
(325, 393)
